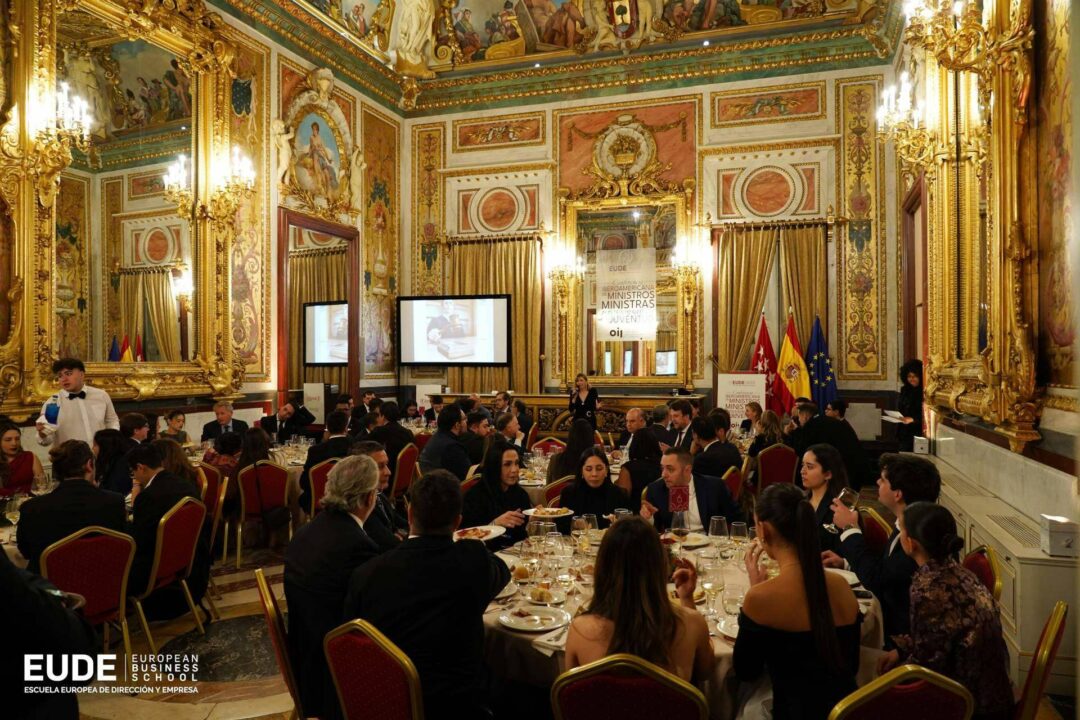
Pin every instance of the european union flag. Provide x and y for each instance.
(114, 351)
(822, 379)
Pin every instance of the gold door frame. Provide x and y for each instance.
(30, 166)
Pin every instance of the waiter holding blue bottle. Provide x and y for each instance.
(78, 411)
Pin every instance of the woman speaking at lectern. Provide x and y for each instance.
(584, 402)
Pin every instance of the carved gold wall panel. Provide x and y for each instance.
(428, 193)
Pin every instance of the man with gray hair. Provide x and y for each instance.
(318, 564)
(224, 422)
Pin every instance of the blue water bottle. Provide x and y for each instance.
(52, 410)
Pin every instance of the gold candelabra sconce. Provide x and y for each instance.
(565, 271)
(902, 118)
(689, 262)
(224, 201)
(60, 121)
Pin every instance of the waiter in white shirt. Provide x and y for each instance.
(83, 410)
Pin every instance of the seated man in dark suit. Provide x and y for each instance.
(716, 455)
(431, 415)
(444, 450)
(390, 434)
(507, 426)
(336, 445)
(658, 421)
(225, 422)
(905, 479)
(318, 563)
(386, 526)
(708, 495)
(474, 439)
(679, 432)
(290, 419)
(429, 595)
(635, 420)
(154, 492)
(77, 503)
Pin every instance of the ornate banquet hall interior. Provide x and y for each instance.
(268, 213)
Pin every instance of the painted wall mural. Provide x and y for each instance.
(249, 113)
(428, 158)
(1058, 272)
(861, 250)
(71, 303)
(482, 203)
(508, 131)
(380, 141)
(779, 103)
(146, 185)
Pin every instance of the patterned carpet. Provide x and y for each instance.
(233, 650)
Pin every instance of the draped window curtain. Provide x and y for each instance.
(147, 295)
(131, 307)
(498, 267)
(805, 277)
(313, 278)
(744, 258)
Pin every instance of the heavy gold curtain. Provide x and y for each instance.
(131, 308)
(162, 314)
(805, 276)
(745, 257)
(313, 277)
(493, 268)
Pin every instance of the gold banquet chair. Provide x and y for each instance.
(909, 691)
(372, 676)
(279, 638)
(625, 686)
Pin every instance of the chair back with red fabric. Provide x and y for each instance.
(405, 468)
(876, 531)
(177, 536)
(982, 561)
(318, 477)
(388, 687)
(625, 686)
(278, 637)
(273, 488)
(93, 562)
(468, 484)
(1042, 662)
(733, 479)
(909, 691)
(212, 490)
(530, 439)
(776, 464)
(200, 479)
(421, 439)
(555, 488)
(549, 445)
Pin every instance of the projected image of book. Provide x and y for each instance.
(455, 349)
(666, 362)
(458, 330)
(326, 333)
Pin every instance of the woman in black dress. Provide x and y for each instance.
(910, 404)
(823, 475)
(584, 401)
(592, 492)
(642, 467)
(498, 499)
(768, 433)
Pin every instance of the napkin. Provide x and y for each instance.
(552, 642)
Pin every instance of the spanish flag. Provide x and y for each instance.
(792, 378)
(125, 350)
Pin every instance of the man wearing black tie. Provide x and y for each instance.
(679, 432)
(224, 423)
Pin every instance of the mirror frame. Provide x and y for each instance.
(30, 166)
(569, 327)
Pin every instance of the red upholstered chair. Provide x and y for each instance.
(468, 484)
(215, 503)
(983, 562)
(318, 477)
(265, 481)
(530, 440)
(549, 445)
(421, 440)
(212, 476)
(776, 464)
(200, 478)
(94, 562)
(388, 686)
(876, 531)
(909, 691)
(554, 489)
(734, 481)
(174, 554)
(404, 470)
(625, 687)
(1041, 663)
(278, 638)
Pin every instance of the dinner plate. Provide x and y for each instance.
(534, 619)
(851, 577)
(537, 595)
(728, 627)
(508, 591)
(695, 540)
(595, 538)
(492, 532)
(531, 483)
(699, 596)
(549, 512)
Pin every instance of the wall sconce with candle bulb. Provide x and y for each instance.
(237, 183)
(59, 121)
(901, 117)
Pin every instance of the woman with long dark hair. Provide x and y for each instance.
(592, 491)
(642, 467)
(910, 404)
(175, 461)
(768, 432)
(18, 467)
(823, 475)
(254, 446)
(498, 499)
(580, 438)
(111, 469)
(955, 621)
(803, 625)
(584, 402)
(631, 611)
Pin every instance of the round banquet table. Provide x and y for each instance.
(292, 459)
(7, 538)
(514, 656)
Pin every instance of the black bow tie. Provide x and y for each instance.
(81, 395)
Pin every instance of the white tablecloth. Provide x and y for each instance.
(7, 537)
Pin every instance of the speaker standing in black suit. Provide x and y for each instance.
(290, 419)
(429, 595)
(679, 433)
(318, 563)
(904, 480)
(75, 504)
(223, 411)
(717, 455)
(708, 495)
(334, 446)
(389, 432)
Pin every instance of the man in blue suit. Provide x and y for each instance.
(708, 495)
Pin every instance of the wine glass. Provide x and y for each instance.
(733, 599)
(712, 582)
(680, 530)
(621, 514)
(40, 486)
(718, 532)
(579, 528)
(740, 533)
(11, 511)
(593, 526)
(849, 499)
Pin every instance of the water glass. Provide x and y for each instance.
(579, 529)
(740, 533)
(593, 526)
(621, 513)
(718, 533)
(712, 582)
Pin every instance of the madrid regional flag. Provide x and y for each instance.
(792, 378)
